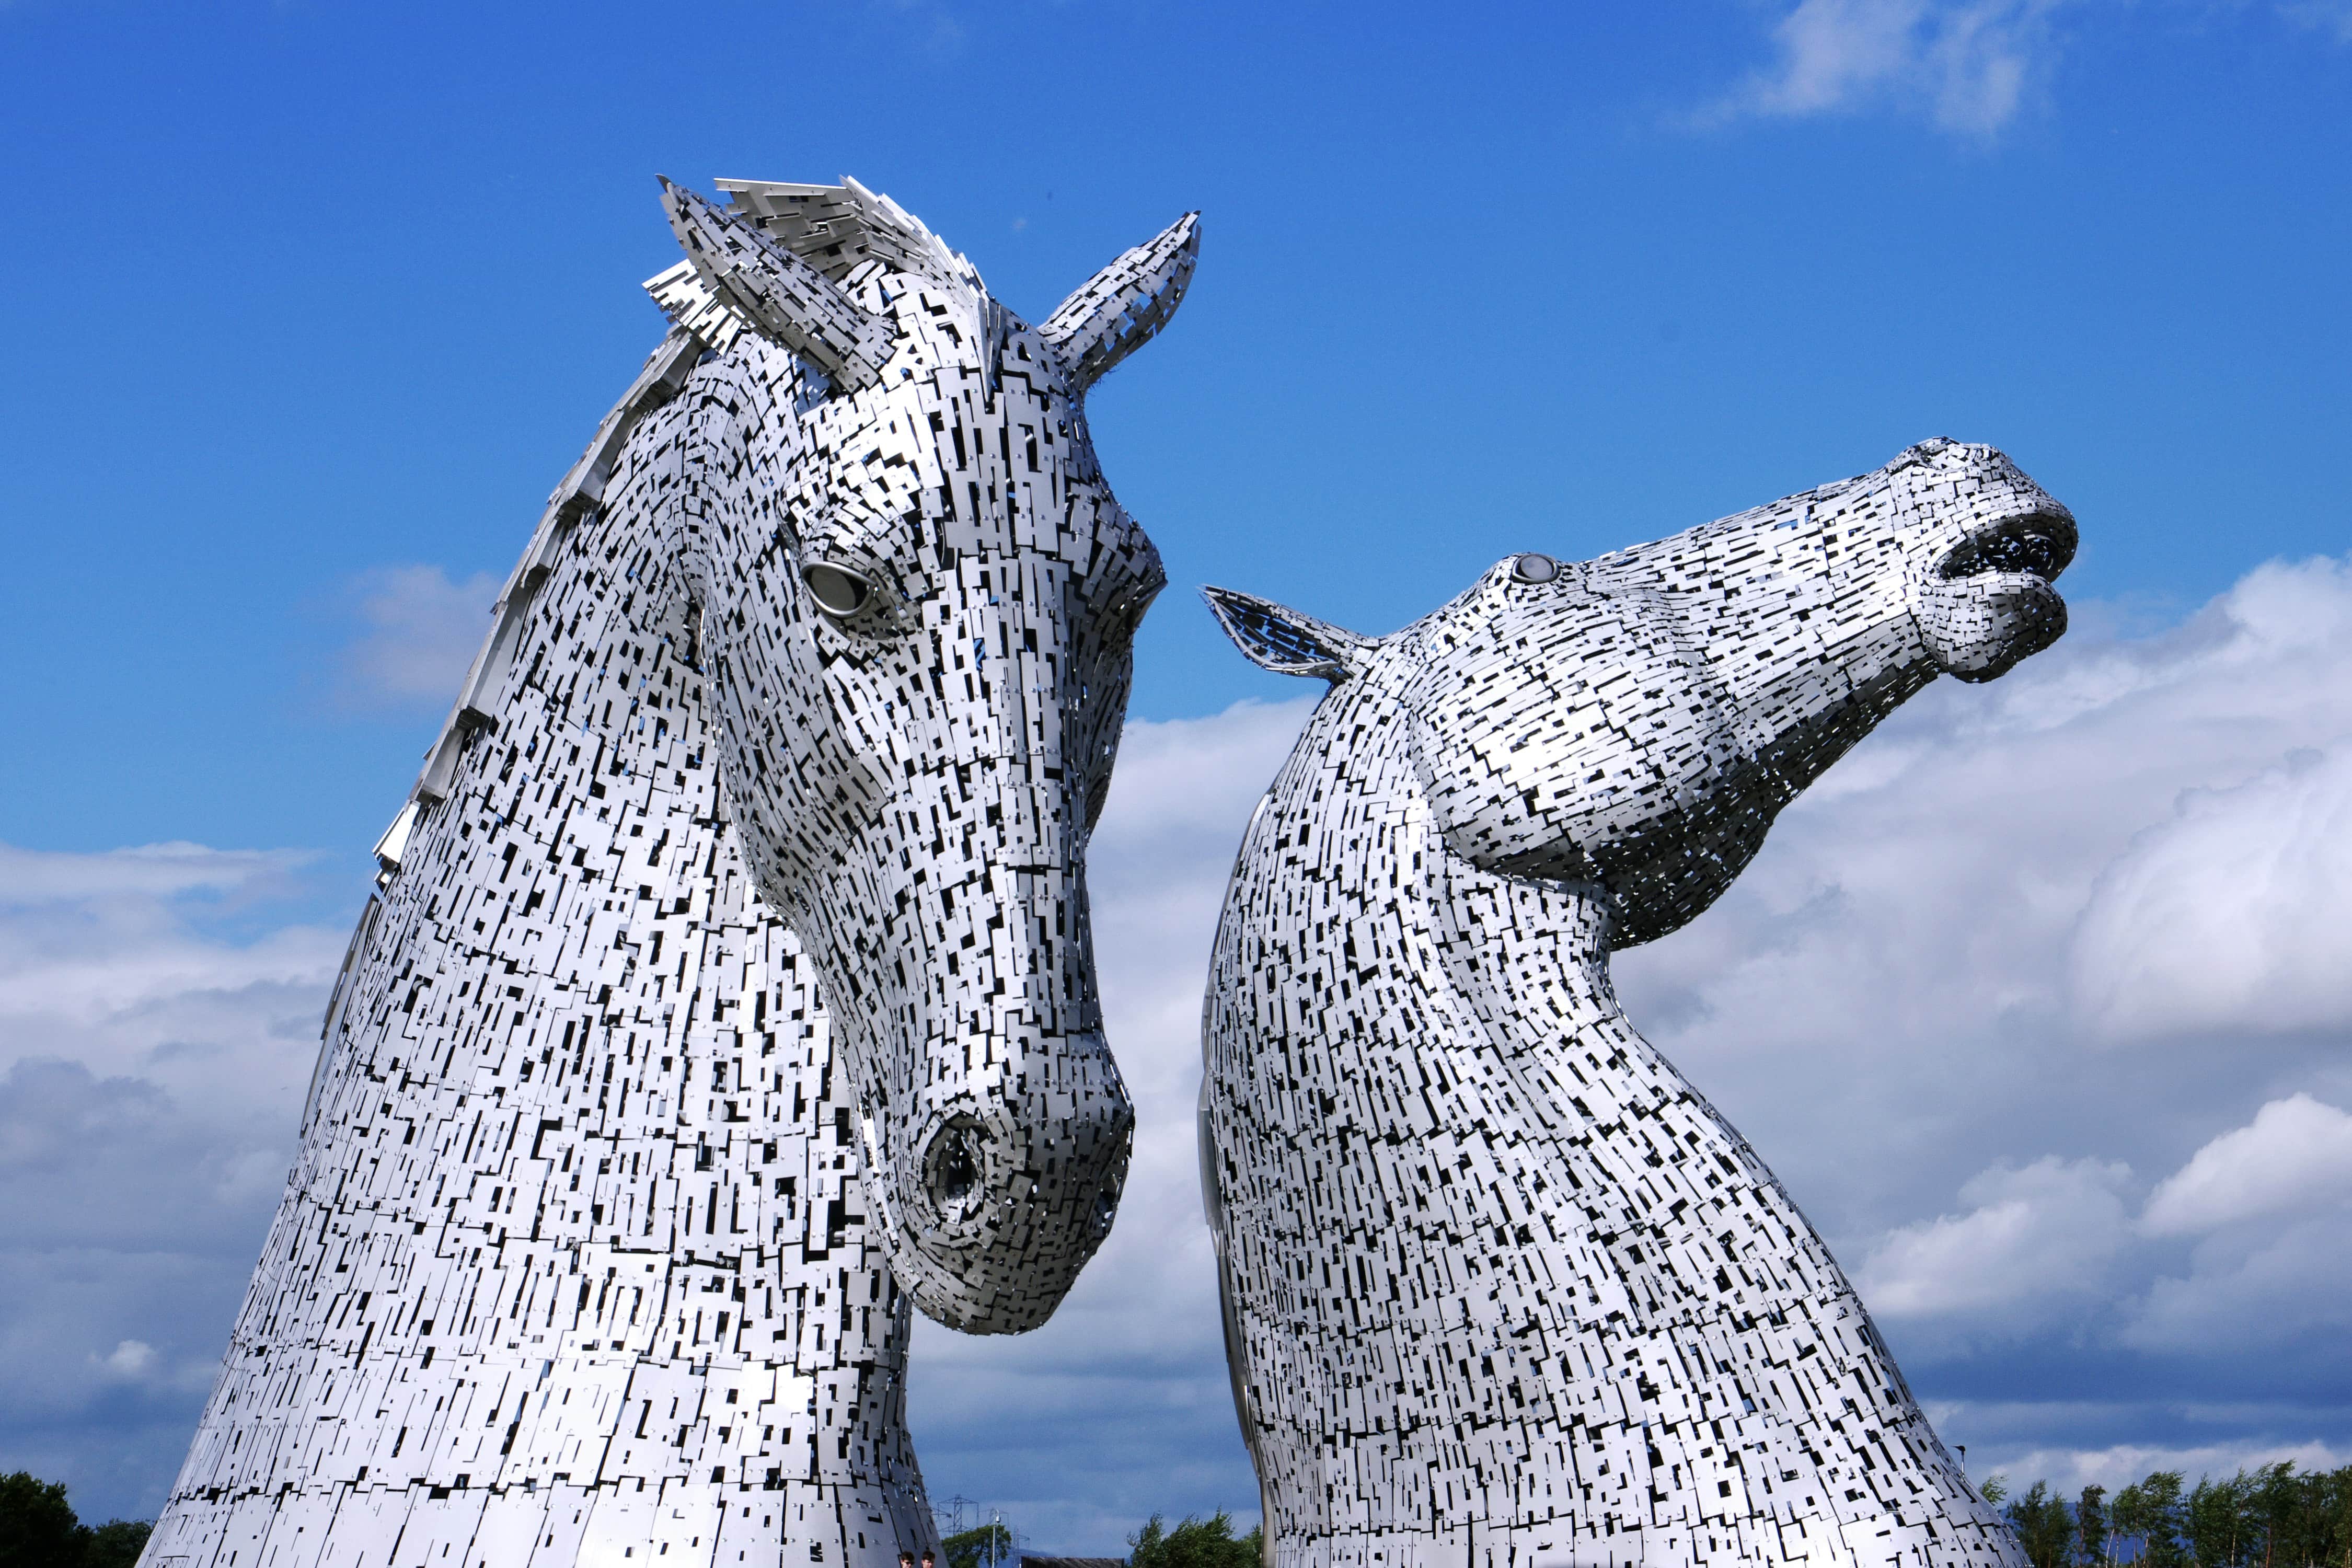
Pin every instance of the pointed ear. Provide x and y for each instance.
(775, 293)
(1276, 637)
(1124, 304)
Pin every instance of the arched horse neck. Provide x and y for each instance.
(576, 1145)
(1596, 1204)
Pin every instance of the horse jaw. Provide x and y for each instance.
(1979, 628)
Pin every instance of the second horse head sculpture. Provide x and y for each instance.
(1500, 1286)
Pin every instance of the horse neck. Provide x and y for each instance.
(1489, 941)
(595, 741)
(1353, 930)
(579, 841)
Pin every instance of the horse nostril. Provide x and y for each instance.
(2020, 547)
(1106, 1205)
(2033, 553)
(953, 1173)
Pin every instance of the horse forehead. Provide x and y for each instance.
(1960, 462)
(1479, 654)
(1586, 664)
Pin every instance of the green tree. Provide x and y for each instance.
(116, 1543)
(1195, 1543)
(37, 1527)
(2217, 1521)
(2147, 1514)
(2332, 1531)
(2334, 1546)
(1995, 1488)
(2043, 1526)
(2283, 1509)
(2091, 1526)
(978, 1548)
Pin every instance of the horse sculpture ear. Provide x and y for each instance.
(1276, 637)
(1121, 307)
(776, 294)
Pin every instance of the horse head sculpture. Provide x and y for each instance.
(1500, 1286)
(1639, 718)
(916, 596)
(747, 872)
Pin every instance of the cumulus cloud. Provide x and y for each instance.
(2271, 1206)
(1894, 1003)
(1895, 997)
(418, 633)
(153, 1060)
(2038, 1235)
(2295, 1154)
(1025, 1422)
(2236, 914)
(2256, 1292)
(1967, 66)
(131, 1359)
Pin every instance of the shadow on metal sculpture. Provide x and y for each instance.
(809, 683)
(1500, 1286)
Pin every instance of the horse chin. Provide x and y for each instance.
(994, 1209)
(1979, 627)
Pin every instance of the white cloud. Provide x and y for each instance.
(1967, 65)
(1886, 1003)
(1025, 1422)
(418, 634)
(131, 1359)
(1890, 986)
(2327, 15)
(2032, 1235)
(108, 959)
(2117, 1464)
(2235, 915)
(2253, 1292)
(2273, 1264)
(2295, 1154)
(30, 876)
(152, 1066)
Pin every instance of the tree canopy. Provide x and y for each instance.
(2273, 1517)
(1195, 1543)
(38, 1528)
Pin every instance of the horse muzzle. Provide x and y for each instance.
(998, 1194)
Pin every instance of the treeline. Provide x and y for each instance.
(38, 1528)
(2273, 1517)
(1190, 1543)
(1195, 1543)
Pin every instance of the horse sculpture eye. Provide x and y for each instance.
(1535, 569)
(837, 590)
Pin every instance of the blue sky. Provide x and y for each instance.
(310, 305)
(298, 291)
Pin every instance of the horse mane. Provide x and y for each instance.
(835, 229)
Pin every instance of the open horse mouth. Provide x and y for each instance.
(2037, 544)
(1989, 602)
